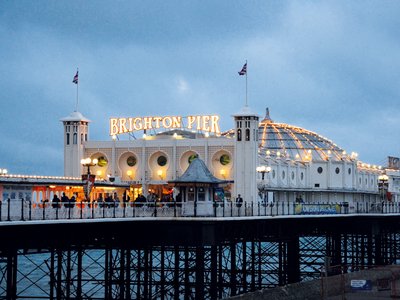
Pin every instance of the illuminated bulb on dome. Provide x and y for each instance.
(144, 135)
(309, 151)
(278, 154)
(268, 152)
(297, 156)
(207, 134)
(344, 152)
(329, 152)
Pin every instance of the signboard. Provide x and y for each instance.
(361, 285)
(219, 194)
(209, 123)
(317, 209)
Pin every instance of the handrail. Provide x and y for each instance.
(26, 210)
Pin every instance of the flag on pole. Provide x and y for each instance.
(243, 71)
(75, 78)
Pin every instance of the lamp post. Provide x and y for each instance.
(263, 170)
(262, 188)
(383, 185)
(88, 178)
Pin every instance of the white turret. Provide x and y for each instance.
(76, 131)
(246, 154)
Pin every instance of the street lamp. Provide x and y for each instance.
(88, 179)
(383, 185)
(88, 162)
(263, 170)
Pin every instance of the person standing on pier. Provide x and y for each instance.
(239, 201)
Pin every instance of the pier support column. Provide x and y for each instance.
(293, 259)
(12, 275)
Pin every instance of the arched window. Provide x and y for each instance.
(67, 138)
(239, 135)
(75, 141)
(247, 134)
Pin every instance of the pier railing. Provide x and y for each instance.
(25, 210)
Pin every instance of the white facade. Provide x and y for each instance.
(303, 165)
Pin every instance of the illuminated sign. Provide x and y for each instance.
(125, 125)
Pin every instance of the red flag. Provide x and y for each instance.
(243, 71)
(75, 80)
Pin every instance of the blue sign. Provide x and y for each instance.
(317, 209)
(361, 285)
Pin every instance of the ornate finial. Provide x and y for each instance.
(267, 117)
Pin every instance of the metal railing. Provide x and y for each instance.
(26, 210)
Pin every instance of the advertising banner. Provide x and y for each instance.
(88, 183)
(317, 209)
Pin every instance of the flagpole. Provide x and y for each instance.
(77, 92)
(246, 82)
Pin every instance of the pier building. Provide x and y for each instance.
(262, 160)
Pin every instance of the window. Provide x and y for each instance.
(192, 157)
(292, 175)
(102, 161)
(162, 160)
(349, 170)
(75, 139)
(316, 185)
(273, 173)
(283, 174)
(301, 176)
(191, 194)
(67, 138)
(81, 138)
(201, 195)
(239, 135)
(131, 161)
(247, 134)
(337, 170)
(319, 170)
(224, 159)
(86, 137)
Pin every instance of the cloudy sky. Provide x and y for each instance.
(332, 67)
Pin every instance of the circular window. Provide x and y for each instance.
(292, 175)
(349, 170)
(192, 157)
(131, 161)
(224, 159)
(102, 161)
(273, 173)
(283, 174)
(337, 170)
(319, 170)
(162, 160)
(301, 175)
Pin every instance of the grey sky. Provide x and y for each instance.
(332, 67)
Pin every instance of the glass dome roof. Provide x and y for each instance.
(279, 139)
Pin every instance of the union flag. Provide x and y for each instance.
(243, 71)
(75, 80)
